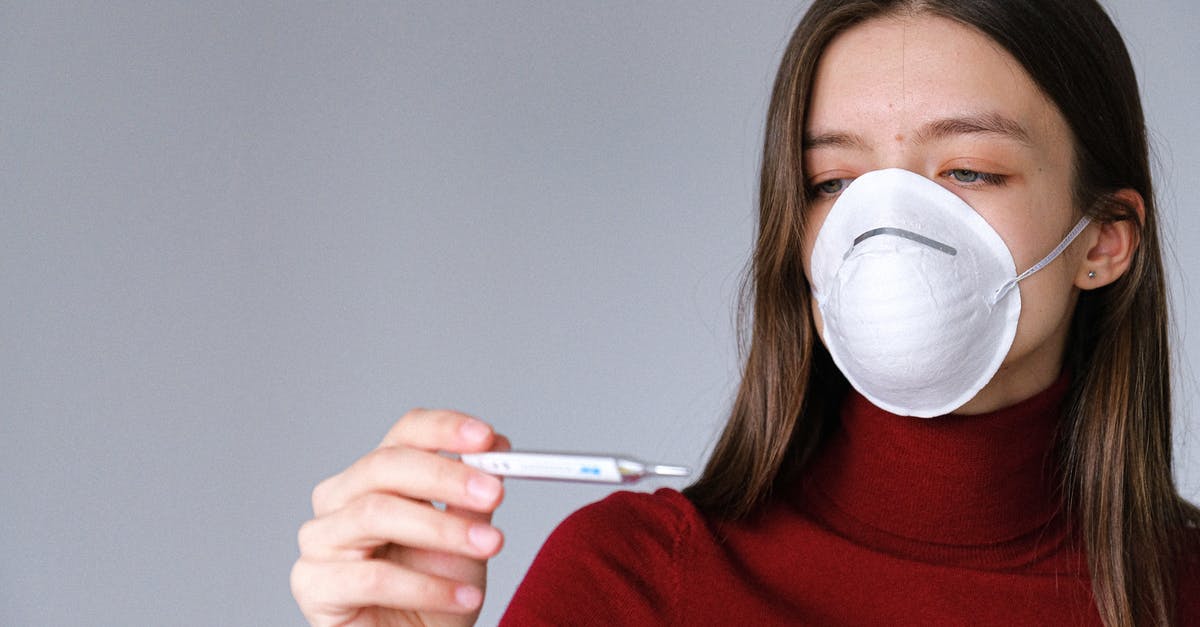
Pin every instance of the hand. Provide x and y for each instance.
(377, 552)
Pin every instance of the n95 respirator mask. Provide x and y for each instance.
(917, 292)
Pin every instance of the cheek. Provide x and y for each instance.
(815, 216)
(1031, 221)
(815, 219)
(1047, 306)
(1032, 225)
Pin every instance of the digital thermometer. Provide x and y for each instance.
(588, 468)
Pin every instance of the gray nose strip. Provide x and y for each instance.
(906, 234)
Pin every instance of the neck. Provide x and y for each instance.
(953, 481)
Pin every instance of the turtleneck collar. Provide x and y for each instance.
(975, 490)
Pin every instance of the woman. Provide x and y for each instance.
(906, 140)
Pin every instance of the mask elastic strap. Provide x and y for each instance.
(1011, 283)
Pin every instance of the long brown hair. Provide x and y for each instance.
(1115, 445)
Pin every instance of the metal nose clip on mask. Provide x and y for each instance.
(917, 292)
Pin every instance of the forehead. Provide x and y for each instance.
(890, 75)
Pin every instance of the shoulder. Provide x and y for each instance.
(624, 527)
(615, 561)
(630, 518)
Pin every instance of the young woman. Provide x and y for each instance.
(955, 406)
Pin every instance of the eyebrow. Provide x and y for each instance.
(985, 124)
(980, 124)
(834, 140)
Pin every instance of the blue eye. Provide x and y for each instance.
(965, 176)
(975, 178)
(832, 187)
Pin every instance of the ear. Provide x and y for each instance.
(1112, 249)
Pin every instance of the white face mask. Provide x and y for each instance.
(917, 292)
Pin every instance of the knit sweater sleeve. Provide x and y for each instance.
(614, 562)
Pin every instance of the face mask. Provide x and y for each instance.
(917, 292)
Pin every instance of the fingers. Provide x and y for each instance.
(501, 443)
(328, 588)
(356, 530)
(412, 473)
(379, 507)
(440, 429)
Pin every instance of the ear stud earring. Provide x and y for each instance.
(1091, 274)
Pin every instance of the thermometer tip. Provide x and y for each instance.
(670, 471)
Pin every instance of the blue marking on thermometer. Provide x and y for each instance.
(590, 468)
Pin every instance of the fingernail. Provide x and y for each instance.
(468, 596)
(484, 537)
(473, 431)
(484, 488)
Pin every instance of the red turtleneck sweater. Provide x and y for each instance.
(899, 521)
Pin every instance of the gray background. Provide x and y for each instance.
(237, 242)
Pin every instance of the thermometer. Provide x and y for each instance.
(589, 468)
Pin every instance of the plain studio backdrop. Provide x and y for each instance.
(239, 240)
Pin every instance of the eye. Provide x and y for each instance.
(964, 176)
(829, 188)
